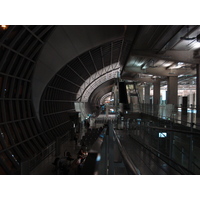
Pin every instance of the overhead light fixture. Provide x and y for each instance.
(180, 63)
(192, 38)
(167, 64)
(187, 38)
(196, 45)
(198, 38)
(175, 66)
(4, 27)
(143, 67)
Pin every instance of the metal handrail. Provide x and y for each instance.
(153, 150)
(151, 112)
(90, 166)
(127, 160)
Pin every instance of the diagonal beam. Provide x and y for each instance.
(170, 55)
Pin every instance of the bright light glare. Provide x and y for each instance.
(98, 157)
(162, 135)
(196, 45)
(4, 27)
(163, 92)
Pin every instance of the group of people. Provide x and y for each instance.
(68, 165)
(62, 165)
(78, 163)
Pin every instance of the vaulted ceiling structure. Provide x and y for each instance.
(45, 69)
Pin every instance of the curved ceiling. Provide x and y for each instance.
(105, 97)
(100, 91)
(97, 79)
(56, 60)
(98, 64)
(65, 44)
(71, 56)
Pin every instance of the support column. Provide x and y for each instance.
(147, 94)
(107, 110)
(172, 87)
(140, 90)
(198, 91)
(156, 92)
(184, 105)
(190, 98)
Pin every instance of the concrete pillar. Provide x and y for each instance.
(156, 92)
(190, 98)
(107, 110)
(194, 99)
(140, 91)
(184, 105)
(116, 97)
(147, 94)
(198, 91)
(172, 87)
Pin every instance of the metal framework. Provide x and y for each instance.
(94, 81)
(76, 81)
(21, 136)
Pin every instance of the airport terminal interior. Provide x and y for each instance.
(99, 99)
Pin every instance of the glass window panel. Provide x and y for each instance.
(23, 151)
(7, 110)
(13, 133)
(2, 171)
(4, 136)
(1, 83)
(1, 146)
(7, 162)
(17, 152)
(18, 128)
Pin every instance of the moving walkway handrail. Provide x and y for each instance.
(90, 166)
(173, 130)
(156, 152)
(127, 160)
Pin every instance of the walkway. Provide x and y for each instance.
(146, 162)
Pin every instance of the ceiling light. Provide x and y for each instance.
(198, 38)
(185, 38)
(175, 67)
(167, 64)
(196, 45)
(180, 63)
(143, 66)
(4, 27)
